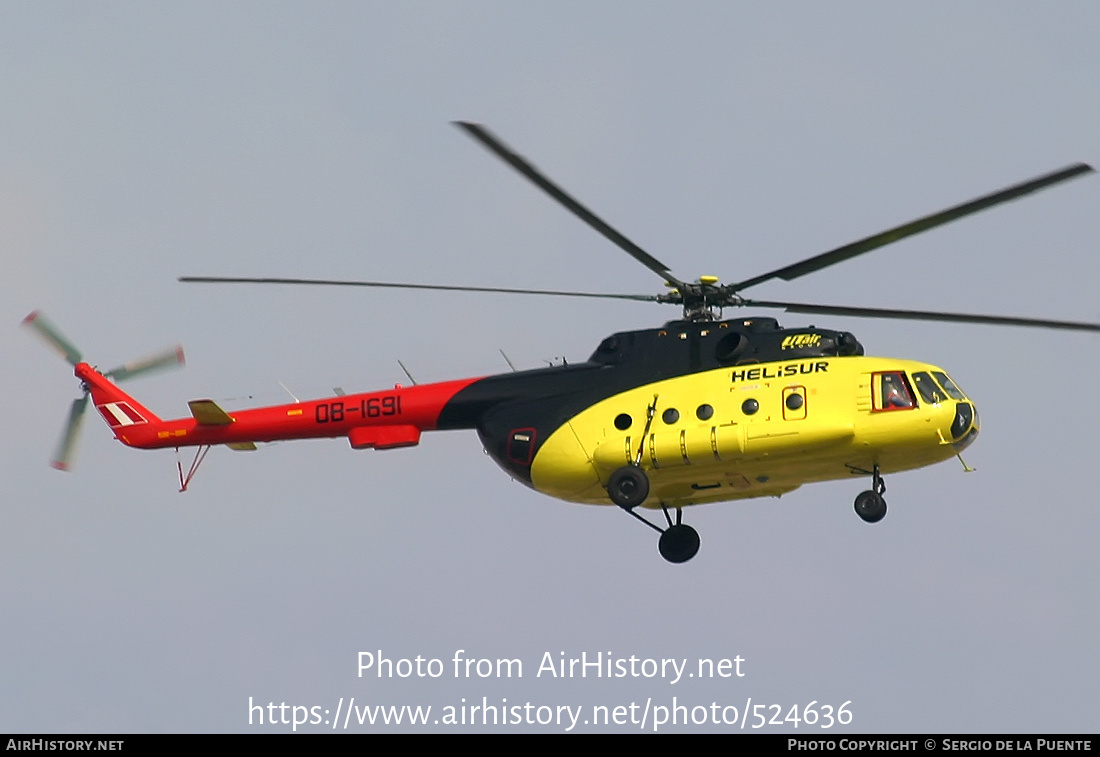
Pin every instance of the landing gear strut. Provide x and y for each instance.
(628, 487)
(870, 505)
(679, 542)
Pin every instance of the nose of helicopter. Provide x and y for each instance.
(956, 416)
(965, 426)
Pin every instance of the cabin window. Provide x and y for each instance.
(750, 406)
(794, 403)
(670, 416)
(704, 412)
(891, 392)
(623, 421)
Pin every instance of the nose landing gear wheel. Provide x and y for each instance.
(679, 543)
(870, 506)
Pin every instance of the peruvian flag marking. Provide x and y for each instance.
(120, 414)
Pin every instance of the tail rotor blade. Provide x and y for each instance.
(45, 329)
(63, 457)
(169, 358)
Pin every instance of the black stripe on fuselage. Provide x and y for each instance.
(544, 399)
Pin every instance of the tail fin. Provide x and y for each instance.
(118, 408)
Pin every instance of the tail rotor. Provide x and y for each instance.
(63, 456)
(170, 358)
(45, 329)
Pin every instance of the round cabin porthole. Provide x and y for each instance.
(750, 406)
(623, 421)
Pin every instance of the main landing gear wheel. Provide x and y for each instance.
(628, 487)
(871, 505)
(679, 543)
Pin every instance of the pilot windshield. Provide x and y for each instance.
(948, 386)
(928, 389)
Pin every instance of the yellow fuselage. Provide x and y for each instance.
(736, 432)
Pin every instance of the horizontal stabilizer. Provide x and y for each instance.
(242, 446)
(207, 413)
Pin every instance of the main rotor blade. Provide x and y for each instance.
(390, 285)
(923, 315)
(169, 358)
(63, 457)
(489, 140)
(875, 241)
(45, 329)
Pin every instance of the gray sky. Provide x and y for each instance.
(140, 142)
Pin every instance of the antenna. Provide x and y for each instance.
(406, 370)
(290, 393)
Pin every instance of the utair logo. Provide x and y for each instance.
(794, 341)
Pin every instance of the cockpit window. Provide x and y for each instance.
(928, 389)
(891, 392)
(948, 386)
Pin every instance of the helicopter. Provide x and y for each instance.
(702, 409)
